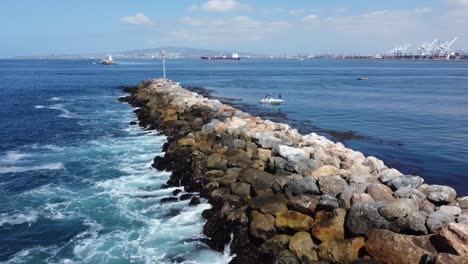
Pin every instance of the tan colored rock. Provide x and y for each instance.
(393, 248)
(262, 226)
(293, 221)
(446, 258)
(329, 225)
(380, 192)
(341, 251)
(264, 154)
(357, 198)
(326, 170)
(186, 142)
(454, 238)
(302, 245)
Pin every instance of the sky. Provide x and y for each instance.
(40, 27)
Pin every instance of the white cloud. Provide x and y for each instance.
(137, 19)
(309, 18)
(221, 6)
(296, 12)
(462, 3)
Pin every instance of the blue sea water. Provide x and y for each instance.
(75, 176)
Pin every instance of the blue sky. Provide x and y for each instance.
(33, 27)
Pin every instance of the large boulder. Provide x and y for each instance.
(410, 193)
(269, 203)
(216, 162)
(297, 184)
(326, 170)
(362, 217)
(437, 220)
(302, 245)
(274, 245)
(304, 203)
(327, 203)
(440, 194)
(262, 226)
(414, 223)
(454, 238)
(393, 248)
(387, 175)
(293, 221)
(398, 208)
(241, 189)
(329, 225)
(380, 192)
(341, 251)
(286, 257)
(332, 185)
(250, 175)
(406, 181)
(445, 258)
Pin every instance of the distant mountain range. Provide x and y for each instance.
(171, 52)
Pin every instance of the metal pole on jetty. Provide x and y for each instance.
(163, 53)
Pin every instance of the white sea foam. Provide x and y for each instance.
(56, 98)
(60, 107)
(19, 218)
(18, 169)
(13, 157)
(39, 106)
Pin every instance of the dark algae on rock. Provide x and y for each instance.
(279, 196)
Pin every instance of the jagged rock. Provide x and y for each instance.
(440, 194)
(303, 167)
(293, 221)
(241, 189)
(214, 174)
(410, 193)
(344, 198)
(341, 251)
(297, 184)
(414, 224)
(450, 210)
(374, 163)
(194, 201)
(286, 257)
(302, 245)
(291, 153)
(438, 220)
(389, 247)
(269, 203)
(229, 177)
(461, 202)
(380, 192)
(462, 218)
(264, 154)
(240, 160)
(398, 208)
(274, 245)
(454, 238)
(327, 203)
(276, 163)
(387, 175)
(406, 181)
(305, 204)
(445, 258)
(216, 162)
(329, 225)
(325, 170)
(169, 200)
(332, 185)
(361, 198)
(362, 217)
(262, 226)
(426, 207)
(250, 175)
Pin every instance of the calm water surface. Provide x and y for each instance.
(73, 172)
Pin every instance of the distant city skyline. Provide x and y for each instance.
(31, 27)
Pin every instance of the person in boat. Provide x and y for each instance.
(279, 96)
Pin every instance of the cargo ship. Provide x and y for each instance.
(234, 56)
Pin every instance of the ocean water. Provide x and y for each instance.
(76, 184)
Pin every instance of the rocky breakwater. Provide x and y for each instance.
(284, 197)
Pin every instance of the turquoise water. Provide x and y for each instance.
(75, 179)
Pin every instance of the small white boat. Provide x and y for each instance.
(269, 100)
(108, 61)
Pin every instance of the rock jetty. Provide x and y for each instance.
(281, 197)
